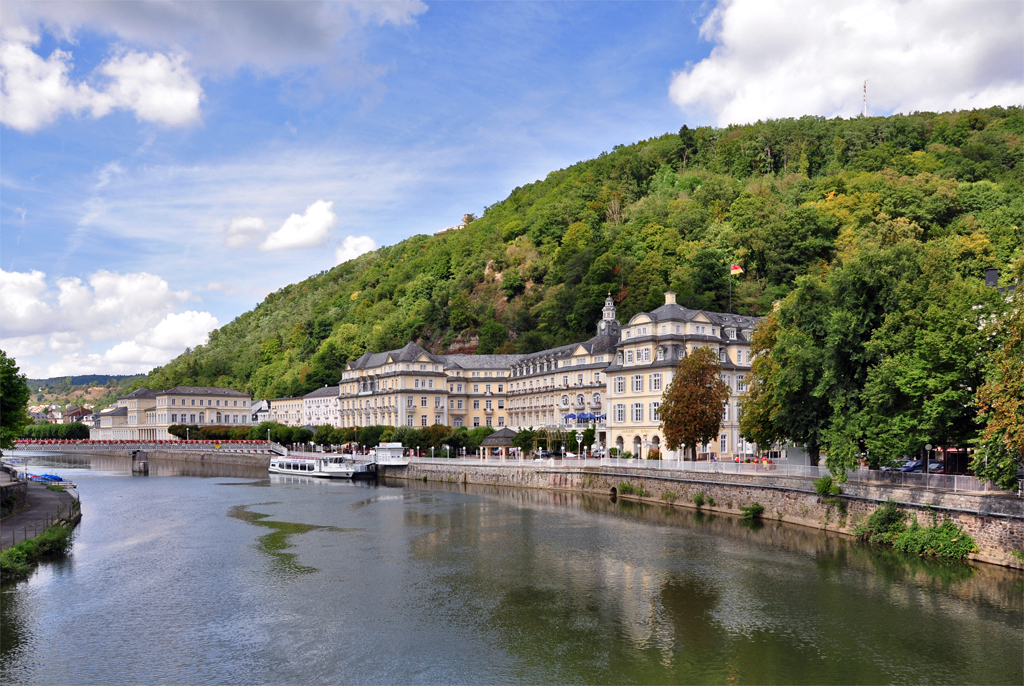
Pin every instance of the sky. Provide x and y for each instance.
(166, 165)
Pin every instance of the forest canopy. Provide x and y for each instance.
(790, 200)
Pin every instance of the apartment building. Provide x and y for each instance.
(404, 387)
(649, 350)
(321, 407)
(565, 387)
(478, 388)
(614, 381)
(287, 411)
(144, 414)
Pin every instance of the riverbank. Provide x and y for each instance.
(996, 522)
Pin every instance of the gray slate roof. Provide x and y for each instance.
(325, 392)
(200, 390)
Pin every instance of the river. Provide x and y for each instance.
(222, 575)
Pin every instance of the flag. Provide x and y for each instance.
(735, 269)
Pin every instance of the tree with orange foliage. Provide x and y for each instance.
(691, 409)
(1000, 400)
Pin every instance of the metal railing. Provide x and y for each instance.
(72, 446)
(943, 482)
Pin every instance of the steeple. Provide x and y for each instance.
(609, 325)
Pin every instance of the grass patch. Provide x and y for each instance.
(670, 496)
(55, 488)
(753, 511)
(18, 561)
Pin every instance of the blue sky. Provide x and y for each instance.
(165, 166)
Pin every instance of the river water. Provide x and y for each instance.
(226, 576)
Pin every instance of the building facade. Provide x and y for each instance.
(321, 407)
(650, 348)
(145, 415)
(288, 411)
(614, 381)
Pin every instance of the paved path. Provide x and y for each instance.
(43, 506)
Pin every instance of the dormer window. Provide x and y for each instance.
(731, 334)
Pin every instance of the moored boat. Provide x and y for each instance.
(328, 468)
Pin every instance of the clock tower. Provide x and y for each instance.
(609, 325)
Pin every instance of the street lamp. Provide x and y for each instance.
(186, 434)
(927, 462)
(447, 451)
(579, 444)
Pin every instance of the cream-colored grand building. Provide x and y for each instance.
(144, 414)
(613, 381)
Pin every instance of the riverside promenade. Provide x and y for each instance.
(44, 506)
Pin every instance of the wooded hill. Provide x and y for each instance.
(781, 198)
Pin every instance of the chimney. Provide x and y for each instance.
(670, 297)
(992, 277)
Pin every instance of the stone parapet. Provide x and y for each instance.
(996, 522)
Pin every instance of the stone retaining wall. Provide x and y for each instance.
(213, 456)
(995, 522)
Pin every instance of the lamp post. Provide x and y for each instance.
(927, 462)
(447, 451)
(579, 444)
(186, 434)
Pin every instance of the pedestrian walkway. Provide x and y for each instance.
(44, 506)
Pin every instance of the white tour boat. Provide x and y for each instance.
(328, 467)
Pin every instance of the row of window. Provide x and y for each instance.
(210, 403)
(636, 412)
(653, 383)
(219, 419)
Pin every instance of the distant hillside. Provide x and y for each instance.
(776, 197)
(83, 380)
(92, 389)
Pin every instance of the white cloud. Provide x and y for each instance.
(156, 87)
(22, 304)
(810, 57)
(23, 346)
(179, 331)
(304, 231)
(243, 230)
(352, 247)
(223, 36)
(150, 348)
(34, 91)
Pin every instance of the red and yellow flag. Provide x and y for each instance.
(735, 269)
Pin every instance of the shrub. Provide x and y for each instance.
(946, 540)
(888, 525)
(17, 561)
(753, 511)
(825, 486)
(629, 488)
(698, 499)
(669, 496)
(711, 501)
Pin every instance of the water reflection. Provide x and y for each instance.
(293, 580)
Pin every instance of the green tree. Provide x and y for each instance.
(1000, 400)
(14, 396)
(691, 409)
(492, 337)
